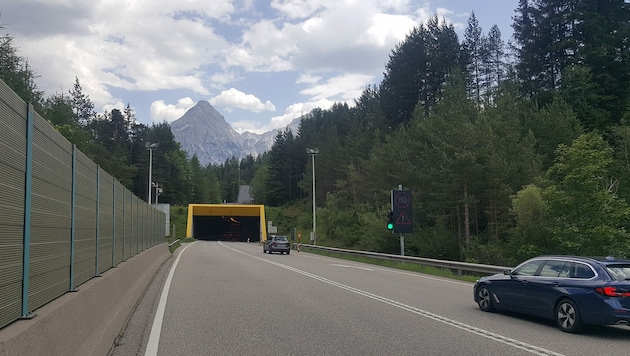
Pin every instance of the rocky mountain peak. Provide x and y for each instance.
(203, 131)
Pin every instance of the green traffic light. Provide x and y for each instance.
(390, 226)
(390, 220)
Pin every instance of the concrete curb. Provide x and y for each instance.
(88, 321)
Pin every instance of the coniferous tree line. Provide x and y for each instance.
(511, 148)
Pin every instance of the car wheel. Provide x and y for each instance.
(288, 252)
(568, 316)
(484, 299)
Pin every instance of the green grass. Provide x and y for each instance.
(407, 266)
(179, 218)
(176, 245)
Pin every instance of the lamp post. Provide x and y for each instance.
(313, 152)
(150, 146)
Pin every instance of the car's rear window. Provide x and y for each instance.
(619, 272)
(280, 238)
(577, 270)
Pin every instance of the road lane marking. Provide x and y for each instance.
(350, 266)
(463, 326)
(394, 270)
(156, 329)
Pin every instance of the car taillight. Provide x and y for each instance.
(611, 292)
(273, 244)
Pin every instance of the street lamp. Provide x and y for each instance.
(313, 152)
(150, 146)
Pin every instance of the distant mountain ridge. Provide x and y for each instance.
(203, 131)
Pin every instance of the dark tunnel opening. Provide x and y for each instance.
(226, 228)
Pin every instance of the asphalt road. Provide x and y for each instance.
(228, 298)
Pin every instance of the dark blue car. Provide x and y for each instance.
(571, 290)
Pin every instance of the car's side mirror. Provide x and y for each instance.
(507, 272)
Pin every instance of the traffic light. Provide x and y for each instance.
(390, 220)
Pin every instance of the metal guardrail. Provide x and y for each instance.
(457, 267)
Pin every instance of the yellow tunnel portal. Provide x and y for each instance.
(226, 222)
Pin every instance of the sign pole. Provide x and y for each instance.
(402, 209)
(402, 237)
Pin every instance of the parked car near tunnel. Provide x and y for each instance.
(570, 290)
(277, 244)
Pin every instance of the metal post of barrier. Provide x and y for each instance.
(98, 218)
(114, 223)
(124, 226)
(73, 202)
(28, 185)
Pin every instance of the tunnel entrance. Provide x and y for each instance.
(226, 222)
(227, 228)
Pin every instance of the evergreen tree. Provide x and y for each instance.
(200, 191)
(57, 109)
(603, 30)
(551, 125)
(82, 106)
(545, 31)
(171, 168)
(417, 70)
(285, 171)
(213, 186)
(473, 58)
(494, 61)
(443, 52)
(259, 191)
(16, 72)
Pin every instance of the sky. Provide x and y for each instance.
(261, 64)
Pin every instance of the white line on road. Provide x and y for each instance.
(469, 328)
(394, 270)
(156, 329)
(348, 266)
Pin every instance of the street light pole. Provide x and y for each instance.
(150, 146)
(313, 152)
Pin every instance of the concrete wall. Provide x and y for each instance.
(86, 322)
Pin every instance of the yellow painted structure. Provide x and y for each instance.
(227, 210)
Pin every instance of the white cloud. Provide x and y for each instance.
(296, 110)
(221, 78)
(233, 98)
(344, 87)
(385, 29)
(308, 79)
(160, 111)
(123, 51)
(130, 45)
(298, 8)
